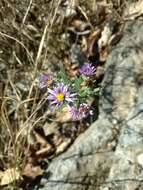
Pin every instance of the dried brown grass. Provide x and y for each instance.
(26, 32)
(18, 115)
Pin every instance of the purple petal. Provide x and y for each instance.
(51, 91)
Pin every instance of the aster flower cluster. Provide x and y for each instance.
(83, 111)
(88, 70)
(73, 95)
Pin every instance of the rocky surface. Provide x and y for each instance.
(109, 155)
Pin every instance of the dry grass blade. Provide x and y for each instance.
(19, 42)
(27, 11)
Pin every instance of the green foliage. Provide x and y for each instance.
(96, 91)
(77, 84)
(62, 76)
(84, 91)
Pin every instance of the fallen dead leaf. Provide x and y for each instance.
(1, 174)
(44, 151)
(134, 10)
(103, 54)
(9, 176)
(93, 38)
(63, 146)
(71, 69)
(32, 171)
(105, 37)
(64, 115)
(50, 128)
(57, 139)
(79, 25)
(40, 139)
(115, 38)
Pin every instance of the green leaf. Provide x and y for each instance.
(77, 84)
(63, 76)
(89, 91)
(96, 90)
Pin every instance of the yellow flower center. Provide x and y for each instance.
(49, 82)
(60, 97)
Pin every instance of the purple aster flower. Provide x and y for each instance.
(46, 81)
(60, 95)
(74, 113)
(83, 111)
(87, 70)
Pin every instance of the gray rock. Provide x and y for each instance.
(108, 156)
